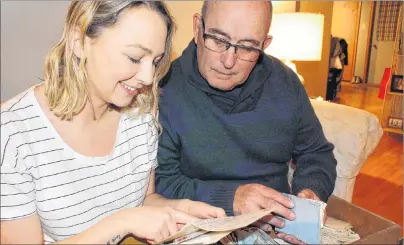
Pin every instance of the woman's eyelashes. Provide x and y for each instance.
(133, 60)
(137, 61)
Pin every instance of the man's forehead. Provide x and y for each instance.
(234, 19)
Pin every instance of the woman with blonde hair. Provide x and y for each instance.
(79, 150)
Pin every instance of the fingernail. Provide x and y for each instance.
(292, 216)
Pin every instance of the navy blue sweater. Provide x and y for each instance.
(215, 141)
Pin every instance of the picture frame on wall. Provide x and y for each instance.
(397, 84)
(395, 122)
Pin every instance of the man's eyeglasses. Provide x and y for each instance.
(219, 45)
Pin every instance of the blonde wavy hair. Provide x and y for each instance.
(65, 75)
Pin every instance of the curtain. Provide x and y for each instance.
(388, 18)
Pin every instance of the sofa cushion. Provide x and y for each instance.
(355, 134)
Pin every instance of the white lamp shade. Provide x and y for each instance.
(296, 36)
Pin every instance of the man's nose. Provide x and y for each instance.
(229, 58)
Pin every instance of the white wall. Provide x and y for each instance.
(28, 30)
(183, 12)
(362, 39)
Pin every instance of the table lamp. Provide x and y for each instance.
(296, 37)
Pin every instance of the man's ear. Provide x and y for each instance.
(267, 41)
(197, 23)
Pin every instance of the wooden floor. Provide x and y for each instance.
(379, 185)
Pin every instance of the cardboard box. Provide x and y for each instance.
(372, 228)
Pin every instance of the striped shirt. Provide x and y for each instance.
(40, 174)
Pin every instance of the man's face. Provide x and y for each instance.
(241, 23)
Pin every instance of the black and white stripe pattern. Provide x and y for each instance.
(70, 192)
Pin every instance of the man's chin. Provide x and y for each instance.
(221, 86)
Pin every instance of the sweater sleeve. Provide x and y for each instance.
(172, 183)
(312, 153)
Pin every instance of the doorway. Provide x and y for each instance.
(374, 53)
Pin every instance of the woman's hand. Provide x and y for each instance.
(153, 224)
(201, 210)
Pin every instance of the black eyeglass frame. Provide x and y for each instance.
(228, 44)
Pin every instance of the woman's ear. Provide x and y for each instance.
(78, 49)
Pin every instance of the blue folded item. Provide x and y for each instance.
(307, 224)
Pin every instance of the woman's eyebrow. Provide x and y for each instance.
(141, 47)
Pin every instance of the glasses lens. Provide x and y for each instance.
(215, 44)
(218, 45)
(247, 54)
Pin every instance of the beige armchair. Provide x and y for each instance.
(355, 134)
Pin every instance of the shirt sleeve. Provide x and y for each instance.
(17, 183)
(152, 142)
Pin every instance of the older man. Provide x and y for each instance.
(233, 118)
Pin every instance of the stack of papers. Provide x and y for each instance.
(248, 235)
(338, 232)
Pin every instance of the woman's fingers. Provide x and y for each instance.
(172, 229)
(183, 218)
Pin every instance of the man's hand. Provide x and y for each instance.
(309, 194)
(254, 197)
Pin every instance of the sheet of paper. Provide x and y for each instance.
(184, 234)
(226, 224)
(231, 222)
(189, 237)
